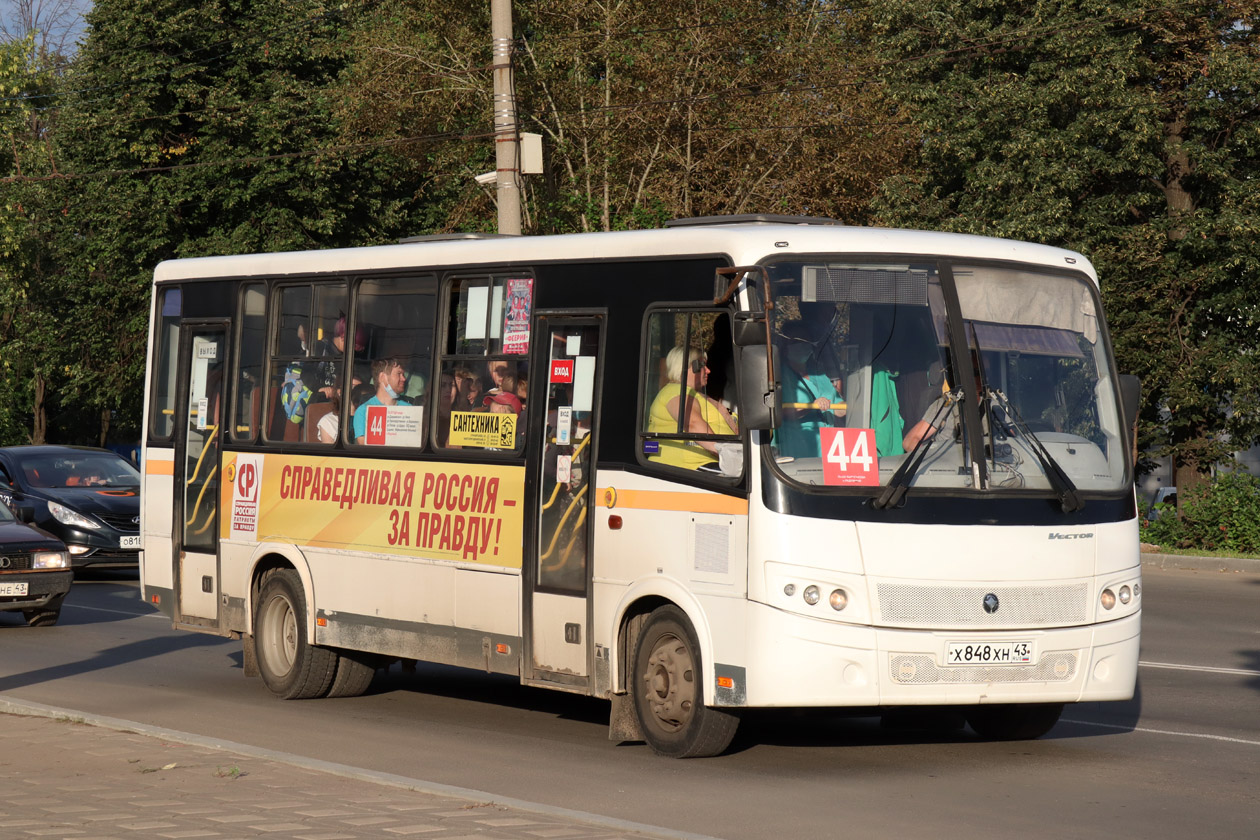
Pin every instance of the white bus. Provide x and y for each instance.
(742, 462)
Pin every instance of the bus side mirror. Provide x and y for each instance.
(758, 394)
(748, 329)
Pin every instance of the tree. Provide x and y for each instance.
(186, 130)
(1129, 133)
(648, 111)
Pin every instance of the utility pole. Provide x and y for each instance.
(506, 138)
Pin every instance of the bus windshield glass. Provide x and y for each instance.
(867, 380)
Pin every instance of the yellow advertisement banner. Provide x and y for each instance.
(483, 429)
(464, 512)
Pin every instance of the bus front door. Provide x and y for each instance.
(203, 363)
(564, 404)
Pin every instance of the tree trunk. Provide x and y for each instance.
(1187, 476)
(39, 428)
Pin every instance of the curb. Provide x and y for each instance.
(1201, 564)
(20, 707)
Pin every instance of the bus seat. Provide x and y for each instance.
(314, 413)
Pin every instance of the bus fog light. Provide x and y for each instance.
(1108, 599)
(789, 590)
(1125, 595)
(839, 600)
(811, 595)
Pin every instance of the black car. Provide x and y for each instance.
(90, 498)
(35, 570)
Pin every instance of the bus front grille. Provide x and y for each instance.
(963, 607)
(921, 669)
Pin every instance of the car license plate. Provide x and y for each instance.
(989, 653)
(129, 542)
(14, 588)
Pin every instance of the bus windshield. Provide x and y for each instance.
(868, 379)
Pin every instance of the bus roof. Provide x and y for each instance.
(743, 242)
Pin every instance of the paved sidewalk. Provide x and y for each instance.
(61, 777)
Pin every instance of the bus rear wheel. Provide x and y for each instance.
(669, 693)
(354, 674)
(1014, 722)
(291, 668)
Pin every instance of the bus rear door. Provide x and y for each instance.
(203, 366)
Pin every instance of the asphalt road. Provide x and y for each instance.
(1180, 760)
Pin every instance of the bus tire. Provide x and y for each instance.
(1015, 721)
(354, 674)
(291, 668)
(668, 690)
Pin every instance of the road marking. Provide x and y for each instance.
(1164, 732)
(1204, 668)
(154, 614)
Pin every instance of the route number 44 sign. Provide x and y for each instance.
(849, 457)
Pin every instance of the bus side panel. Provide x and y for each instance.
(679, 543)
(156, 564)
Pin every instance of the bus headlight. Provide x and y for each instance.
(1108, 599)
(811, 595)
(789, 590)
(839, 599)
(1125, 595)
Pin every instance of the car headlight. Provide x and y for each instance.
(50, 560)
(66, 516)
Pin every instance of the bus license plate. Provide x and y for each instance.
(14, 588)
(989, 653)
(129, 542)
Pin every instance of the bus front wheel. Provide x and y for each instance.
(291, 668)
(1014, 722)
(669, 694)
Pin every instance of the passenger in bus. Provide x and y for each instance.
(448, 390)
(701, 414)
(391, 380)
(810, 398)
(330, 424)
(330, 371)
(470, 390)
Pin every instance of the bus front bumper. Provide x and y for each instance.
(821, 663)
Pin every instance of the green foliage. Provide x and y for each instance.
(1129, 133)
(1223, 515)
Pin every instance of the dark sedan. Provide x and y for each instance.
(35, 571)
(90, 498)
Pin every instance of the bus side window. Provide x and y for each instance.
(306, 359)
(484, 366)
(689, 418)
(251, 352)
(394, 320)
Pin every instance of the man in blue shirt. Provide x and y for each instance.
(390, 380)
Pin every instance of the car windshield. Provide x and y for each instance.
(866, 375)
(5, 515)
(78, 469)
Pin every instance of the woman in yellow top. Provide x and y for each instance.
(703, 414)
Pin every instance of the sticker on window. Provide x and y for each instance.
(520, 296)
(483, 429)
(394, 425)
(849, 457)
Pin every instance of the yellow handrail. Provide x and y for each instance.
(555, 491)
(578, 498)
(205, 447)
(197, 504)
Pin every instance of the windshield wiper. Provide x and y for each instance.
(1069, 498)
(900, 482)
